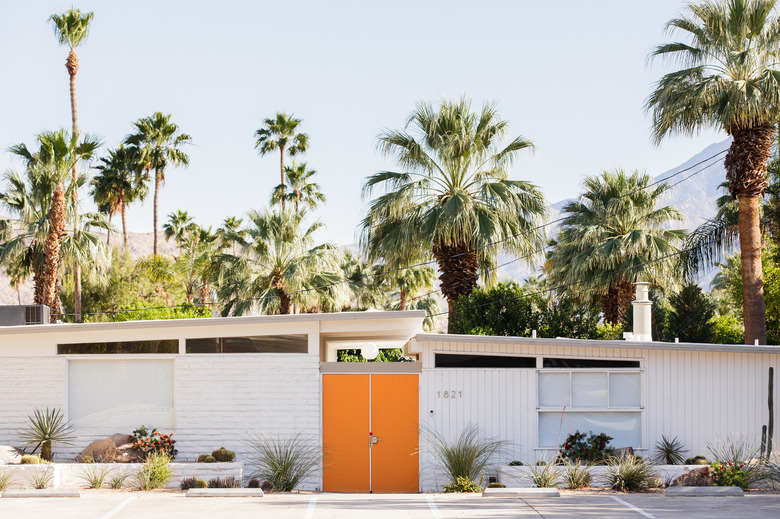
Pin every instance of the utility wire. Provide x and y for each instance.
(235, 301)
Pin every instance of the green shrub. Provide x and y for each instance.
(576, 474)
(466, 457)
(193, 482)
(87, 459)
(515, 463)
(735, 462)
(545, 474)
(590, 448)
(148, 441)
(155, 471)
(668, 451)
(729, 475)
(496, 484)
(285, 462)
(226, 482)
(609, 332)
(462, 484)
(728, 329)
(629, 473)
(222, 454)
(697, 460)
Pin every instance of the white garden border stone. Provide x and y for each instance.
(519, 476)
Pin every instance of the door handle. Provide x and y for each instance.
(375, 439)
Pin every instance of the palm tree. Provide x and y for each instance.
(71, 29)
(280, 267)
(158, 141)
(118, 183)
(231, 232)
(302, 191)
(613, 236)
(55, 157)
(279, 134)
(728, 80)
(454, 200)
(179, 225)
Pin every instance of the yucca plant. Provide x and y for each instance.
(45, 428)
(545, 474)
(285, 462)
(669, 452)
(576, 474)
(467, 456)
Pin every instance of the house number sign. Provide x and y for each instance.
(449, 394)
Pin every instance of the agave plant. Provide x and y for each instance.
(669, 451)
(46, 427)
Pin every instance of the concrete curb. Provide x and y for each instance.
(521, 492)
(224, 492)
(46, 492)
(704, 491)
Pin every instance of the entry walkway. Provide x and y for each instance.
(127, 505)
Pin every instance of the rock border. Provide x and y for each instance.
(225, 492)
(521, 492)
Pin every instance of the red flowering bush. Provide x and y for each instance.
(729, 475)
(588, 448)
(147, 442)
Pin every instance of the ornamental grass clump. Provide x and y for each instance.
(545, 474)
(6, 477)
(41, 480)
(285, 462)
(576, 474)
(95, 477)
(467, 456)
(155, 471)
(630, 473)
(46, 427)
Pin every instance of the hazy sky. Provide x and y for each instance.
(571, 76)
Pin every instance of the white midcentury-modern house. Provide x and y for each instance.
(215, 382)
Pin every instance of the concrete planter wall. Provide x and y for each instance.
(70, 475)
(521, 476)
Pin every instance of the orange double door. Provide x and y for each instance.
(370, 432)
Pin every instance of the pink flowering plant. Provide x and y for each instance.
(148, 441)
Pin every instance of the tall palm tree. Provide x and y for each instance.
(280, 134)
(231, 232)
(71, 29)
(279, 262)
(728, 79)
(454, 200)
(301, 189)
(118, 184)
(179, 225)
(613, 236)
(44, 206)
(158, 141)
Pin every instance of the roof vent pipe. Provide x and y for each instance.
(643, 309)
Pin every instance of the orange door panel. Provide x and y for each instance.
(394, 421)
(345, 427)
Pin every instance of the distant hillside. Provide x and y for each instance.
(694, 197)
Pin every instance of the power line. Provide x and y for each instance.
(262, 298)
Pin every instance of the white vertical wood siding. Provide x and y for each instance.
(693, 395)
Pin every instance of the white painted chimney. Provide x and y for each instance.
(643, 309)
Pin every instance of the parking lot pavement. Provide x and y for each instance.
(127, 505)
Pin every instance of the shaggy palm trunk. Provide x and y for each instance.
(124, 222)
(614, 303)
(72, 64)
(746, 172)
(281, 166)
(51, 251)
(458, 266)
(46, 450)
(402, 305)
(108, 232)
(38, 282)
(157, 182)
(205, 292)
(285, 302)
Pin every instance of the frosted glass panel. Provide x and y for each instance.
(624, 390)
(589, 389)
(554, 390)
(121, 395)
(625, 428)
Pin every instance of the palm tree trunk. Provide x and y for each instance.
(108, 232)
(72, 64)
(18, 293)
(156, 198)
(281, 167)
(285, 302)
(124, 222)
(752, 272)
(52, 250)
(402, 305)
(205, 292)
(614, 304)
(458, 266)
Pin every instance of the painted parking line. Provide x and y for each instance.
(632, 507)
(432, 506)
(310, 508)
(118, 508)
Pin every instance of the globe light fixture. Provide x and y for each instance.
(369, 351)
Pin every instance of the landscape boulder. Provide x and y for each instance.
(125, 453)
(696, 478)
(622, 452)
(10, 455)
(101, 451)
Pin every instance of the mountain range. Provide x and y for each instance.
(694, 195)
